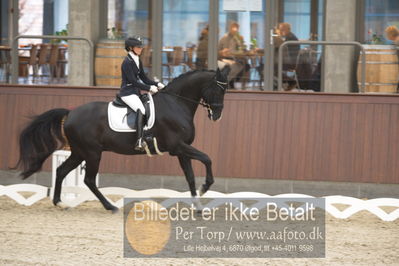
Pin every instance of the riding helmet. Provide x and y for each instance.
(135, 41)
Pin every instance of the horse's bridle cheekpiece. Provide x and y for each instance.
(208, 106)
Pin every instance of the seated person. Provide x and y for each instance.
(289, 61)
(230, 45)
(290, 53)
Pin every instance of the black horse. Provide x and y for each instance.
(87, 132)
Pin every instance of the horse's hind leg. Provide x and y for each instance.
(63, 170)
(92, 165)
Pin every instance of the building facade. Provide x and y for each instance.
(184, 34)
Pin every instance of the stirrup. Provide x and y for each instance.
(140, 145)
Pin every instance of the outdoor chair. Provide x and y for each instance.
(43, 59)
(189, 59)
(53, 62)
(175, 60)
(25, 62)
(62, 62)
(5, 64)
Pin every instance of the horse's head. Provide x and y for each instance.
(213, 94)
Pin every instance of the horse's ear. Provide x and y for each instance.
(218, 74)
(221, 75)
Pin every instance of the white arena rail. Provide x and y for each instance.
(75, 192)
(84, 194)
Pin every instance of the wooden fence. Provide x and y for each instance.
(323, 137)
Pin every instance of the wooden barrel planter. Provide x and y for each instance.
(108, 60)
(382, 69)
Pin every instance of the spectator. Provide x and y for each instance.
(284, 30)
(231, 49)
(202, 49)
(392, 33)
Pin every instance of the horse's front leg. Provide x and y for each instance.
(187, 167)
(192, 153)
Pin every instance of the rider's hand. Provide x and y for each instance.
(153, 89)
(226, 52)
(160, 86)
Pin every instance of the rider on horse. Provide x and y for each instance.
(134, 80)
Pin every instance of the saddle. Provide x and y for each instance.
(131, 115)
(122, 118)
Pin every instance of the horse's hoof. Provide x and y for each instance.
(197, 204)
(201, 191)
(62, 206)
(113, 210)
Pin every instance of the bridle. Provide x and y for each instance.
(208, 106)
(219, 83)
(202, 102)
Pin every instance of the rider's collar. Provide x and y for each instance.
(134, 57)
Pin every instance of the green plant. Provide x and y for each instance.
(254, 43)
(377, 39)
(63, 32)
(374, 38)
(115, 34)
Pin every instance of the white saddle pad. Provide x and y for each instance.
(117, 119)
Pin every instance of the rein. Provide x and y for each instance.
(201, 102)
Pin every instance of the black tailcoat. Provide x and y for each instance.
(131, 76)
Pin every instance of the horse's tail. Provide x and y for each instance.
(40, 139)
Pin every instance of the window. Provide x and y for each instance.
(297, 13)
(185, 39)
(4, 22)
(306, 17)
(379, 14)
(241, 42)
(128, 18)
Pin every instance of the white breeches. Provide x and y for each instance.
(134, 102)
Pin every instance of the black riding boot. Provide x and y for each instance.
(140, 144)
